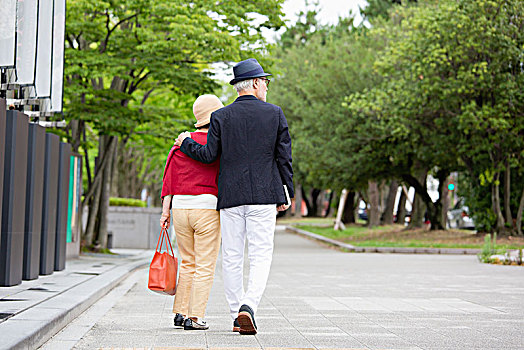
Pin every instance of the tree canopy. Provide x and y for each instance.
(125, 64)
(435, 87)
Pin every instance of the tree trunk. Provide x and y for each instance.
(348, 217)
(306, 201)
(418, 208)
(298, 201)
(435, 211)
(105, 194)
(383, 191)
(115, 178)
(328, 209)
(417, 212)
(401, 209)
(444, 199)
(315, 194)
(519, 214)
(88, 168)
(92, 217)
(387, 216)
(374, 198)
(495, 202)
(77, 129)
(507, 195)
(93, 195)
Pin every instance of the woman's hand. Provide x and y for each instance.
(165, 220)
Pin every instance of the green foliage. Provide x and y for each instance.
(435, 87)
(307, 26)
(126, 202)
(118, 52)
(477, 197)
(314, 78)
(488, 249)
(133, 69)
(379, 9)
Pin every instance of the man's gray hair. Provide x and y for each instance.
(244, 85)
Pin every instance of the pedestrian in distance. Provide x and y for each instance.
(190, 189)
(251, 139)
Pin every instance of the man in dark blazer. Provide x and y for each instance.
(251, 138)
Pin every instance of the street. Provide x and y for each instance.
(318, 297)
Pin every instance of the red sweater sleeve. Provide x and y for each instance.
(169, 173)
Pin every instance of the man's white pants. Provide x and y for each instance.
(257, 224)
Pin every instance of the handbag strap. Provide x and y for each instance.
(161, 242)
(170, 246)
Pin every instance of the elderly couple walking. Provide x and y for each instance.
(227, 180)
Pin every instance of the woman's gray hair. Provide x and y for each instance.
(244, 85)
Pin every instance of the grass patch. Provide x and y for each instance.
(314, 220)
(400, 236)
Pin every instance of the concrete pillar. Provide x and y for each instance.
(2, 153)
(62, 205)
(49, 205)
(33, 203)
(13, 198)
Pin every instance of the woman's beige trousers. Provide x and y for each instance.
(198, 237)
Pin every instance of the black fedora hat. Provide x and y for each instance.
(247, 69)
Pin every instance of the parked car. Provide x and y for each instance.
(362, 210)
(363, 214)
(459, 217)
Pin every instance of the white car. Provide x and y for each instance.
(458, 217)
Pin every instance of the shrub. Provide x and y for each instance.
(488, 249)
(126, 202)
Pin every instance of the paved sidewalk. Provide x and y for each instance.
(320, 298)
(34, 311)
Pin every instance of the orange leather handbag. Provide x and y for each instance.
(163, 268)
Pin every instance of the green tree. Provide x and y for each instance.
(119, 53)
(376, 9)
(452, 85)
(313, 78)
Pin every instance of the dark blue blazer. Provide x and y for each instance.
(251, 138)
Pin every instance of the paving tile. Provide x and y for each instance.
(374, 301)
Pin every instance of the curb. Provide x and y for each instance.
(33, 327)
(346, 246)
(399, 250)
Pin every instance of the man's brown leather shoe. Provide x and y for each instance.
(246, 319)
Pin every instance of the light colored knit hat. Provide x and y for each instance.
(203, 107)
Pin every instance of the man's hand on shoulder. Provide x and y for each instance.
(182, 137)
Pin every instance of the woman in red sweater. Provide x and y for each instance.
(190, 189)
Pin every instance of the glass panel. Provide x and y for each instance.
(44, 48)
(26, 41)
(7, 32)
(58, 56)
